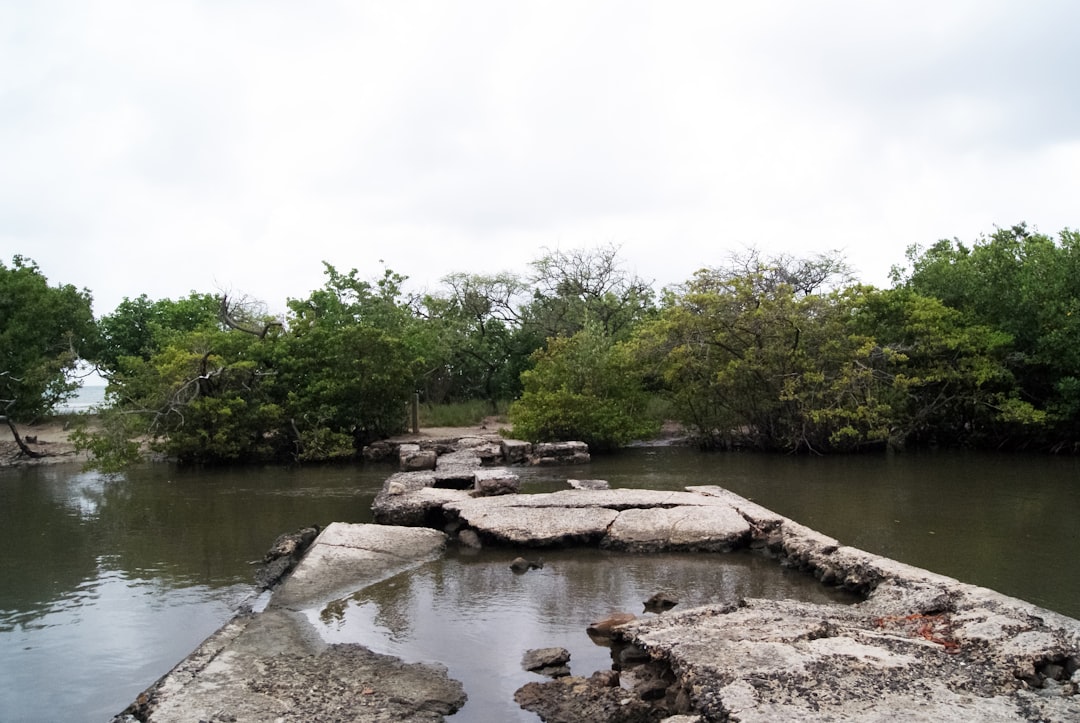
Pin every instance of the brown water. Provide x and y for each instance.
(107, 583)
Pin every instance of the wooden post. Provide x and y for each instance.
(416, 413)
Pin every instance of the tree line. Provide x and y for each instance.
(972, 345)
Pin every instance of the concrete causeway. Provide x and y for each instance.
(919, 647)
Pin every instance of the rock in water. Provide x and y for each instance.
(660, 602)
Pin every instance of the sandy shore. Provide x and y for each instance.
(51, 438)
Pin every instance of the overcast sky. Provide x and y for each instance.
(233, 145)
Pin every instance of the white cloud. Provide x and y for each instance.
(170, 146)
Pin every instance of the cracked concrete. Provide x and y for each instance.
(920, 646)
(272, 665)
(921, 643)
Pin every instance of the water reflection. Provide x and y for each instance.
(107, 583)
(475, 616)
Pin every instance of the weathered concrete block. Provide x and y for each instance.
(589, 484)
(514, 451)
(416, 460)
(489, 453)
(553, 453)
(543, 526)
(834, 662)
(405, 501)
(347, 557)
(559, 449)
(495, 481)
(462, 459)
(712, 529)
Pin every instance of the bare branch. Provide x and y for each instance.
(237, 315)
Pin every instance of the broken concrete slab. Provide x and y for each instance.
(495, 481)
(920, 643)
(553, 453)
(345, 557)
(639, 520)
(767, 660)
(400, 503)
(534, 526)
(687, 527)
(272, 665)
(589, 484)
(515, 451)
(413, 459)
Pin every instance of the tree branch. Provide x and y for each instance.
(19, 440)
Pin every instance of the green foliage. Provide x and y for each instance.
(351, 359)
(43, 331)
(751, 355)
(202, 399)
(1025, 286)
(946, 377)
(584, 387)
(975, 345)
(460, 414)
(247, 388)
(479, 348)
(577, 288)
(140, 327)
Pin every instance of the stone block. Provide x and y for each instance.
(495, 481)
(589, 484)
(514, 451)
(417, 460)
(708, 528)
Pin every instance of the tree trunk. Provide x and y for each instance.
(19, 440)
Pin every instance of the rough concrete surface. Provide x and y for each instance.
(920, 646)
(272, 665)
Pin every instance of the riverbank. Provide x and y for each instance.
(918, 642)
(51, 439)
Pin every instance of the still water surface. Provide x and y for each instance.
(106, 583)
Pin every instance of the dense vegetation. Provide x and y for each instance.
(973, 345)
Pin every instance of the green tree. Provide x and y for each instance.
(756, 354)
(202, 398)
(573, 289)
(140, 327)
(1027, 286)
(44, 331)
(481, 345)
(943, 376)
(335, 375)
(352, 359)
(584, 387)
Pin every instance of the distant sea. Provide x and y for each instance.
(87, 398)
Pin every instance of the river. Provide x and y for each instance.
(108, 582)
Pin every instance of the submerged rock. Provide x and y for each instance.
(551, 662)
(520, 564)
(581, 700)
(605, 628)
(660, 602)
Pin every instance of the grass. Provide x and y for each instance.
(459, 414)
